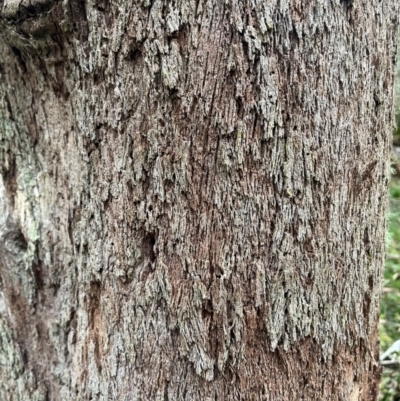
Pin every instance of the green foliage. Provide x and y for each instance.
(389, 330)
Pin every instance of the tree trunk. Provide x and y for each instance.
(193, 198)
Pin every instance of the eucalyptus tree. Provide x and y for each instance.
(193, 198)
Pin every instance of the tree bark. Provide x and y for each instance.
(193, 198)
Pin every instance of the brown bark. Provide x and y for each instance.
(193, 198)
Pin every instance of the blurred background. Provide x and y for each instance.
(389, 327)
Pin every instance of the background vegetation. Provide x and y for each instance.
(390, 306)
(389, 328)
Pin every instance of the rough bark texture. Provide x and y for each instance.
(193, 198)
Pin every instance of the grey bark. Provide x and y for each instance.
(193, 198)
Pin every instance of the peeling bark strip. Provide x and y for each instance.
(193, 197)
